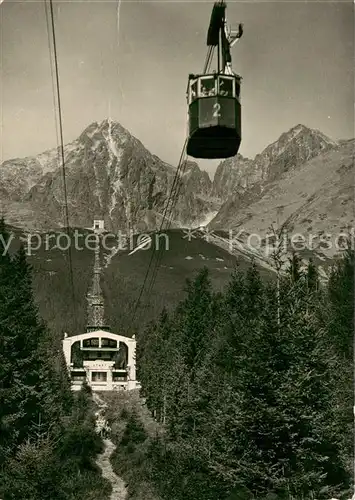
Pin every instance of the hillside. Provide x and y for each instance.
(293, 148)
(123, 276)
(313, 199)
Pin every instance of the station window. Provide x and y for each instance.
(108, 343)
(225, 87)
(99, 377)
(207, 86)
(91, 342)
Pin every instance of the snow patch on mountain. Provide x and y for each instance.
(98, 191)
(207, 218)
(108, 258)
(113, 167)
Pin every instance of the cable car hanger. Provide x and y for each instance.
(223, 37)
(214, 98)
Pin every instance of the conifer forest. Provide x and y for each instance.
(250, 390)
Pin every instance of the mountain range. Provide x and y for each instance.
(303, 180)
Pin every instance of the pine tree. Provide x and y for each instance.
(27, 340)
(6, 286)
(338, 317)
(25, 383)
(163, 360)
(312, 277)
(193, 330)
(195, 312)
(294, 269)
(341, 298)
(34, 472)
(46, 449)
(235, 291)
(147, 365)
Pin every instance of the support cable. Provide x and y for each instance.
(51, 26)
(172, 191)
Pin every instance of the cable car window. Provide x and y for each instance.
(193, 91)
(237, 89)
(208, 87)
(225, 87)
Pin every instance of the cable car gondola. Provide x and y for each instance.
(214, 98)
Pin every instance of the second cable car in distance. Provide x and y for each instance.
(214, 98)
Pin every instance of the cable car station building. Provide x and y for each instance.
(105, 360)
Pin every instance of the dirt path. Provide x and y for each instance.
(119, 491)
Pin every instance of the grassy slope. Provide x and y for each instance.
(122, 281)
(124, 277)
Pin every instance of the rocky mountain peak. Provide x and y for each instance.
(110, 175)
(303, 137)
(196, 180)
(292, 149)
(233, 174)
(190, 166)
(112, 132)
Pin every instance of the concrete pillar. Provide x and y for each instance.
(67, 350)
(109, 380)
(88, 376)
(132, 360)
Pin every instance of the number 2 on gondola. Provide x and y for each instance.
(216, 113)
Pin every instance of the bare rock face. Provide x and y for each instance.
(236, 175)
(303, 181)
(233, 175)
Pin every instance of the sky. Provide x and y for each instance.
(296, 60)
